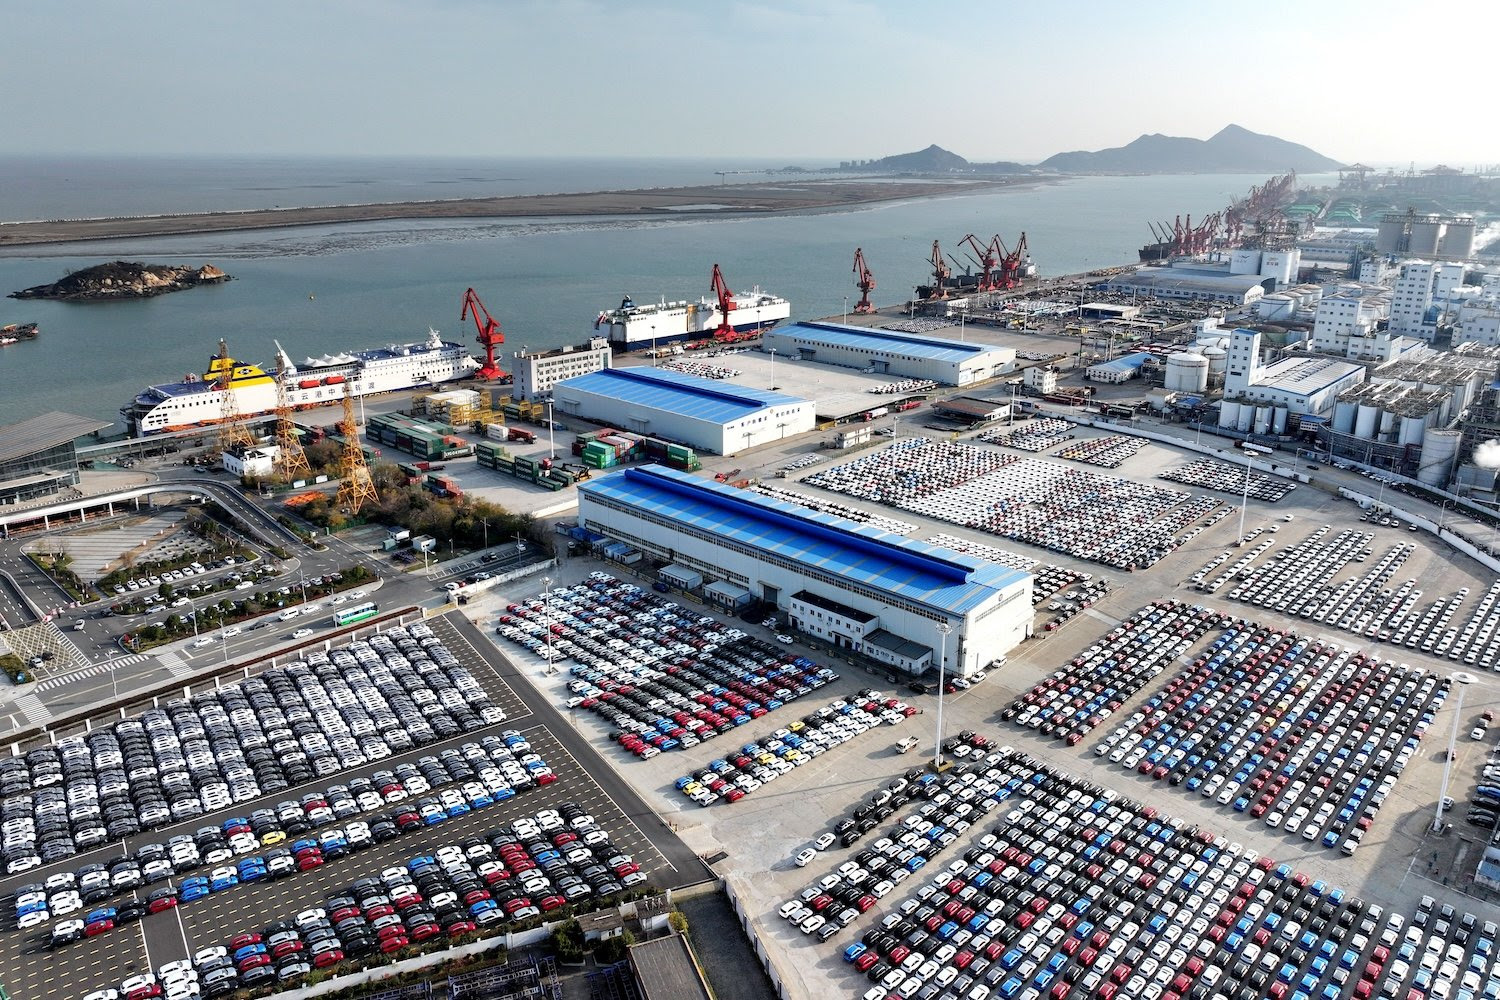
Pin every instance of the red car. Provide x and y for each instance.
(164, 903)
(286, 948)
(391, 944)
(254, 961)
(461, 927)
(98, 927)
(324, 959)
(550, 903)
(240, 940)
(421, 932)
(309, 861)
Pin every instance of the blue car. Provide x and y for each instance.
(193, 888)
(33, 907)
(102, 913)
(482, 906)
(855, 950)
(222, 882)
(247, 951)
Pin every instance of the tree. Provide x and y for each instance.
(678, 921)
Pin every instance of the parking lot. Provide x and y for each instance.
(30, 969)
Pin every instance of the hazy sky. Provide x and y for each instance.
(808, 79)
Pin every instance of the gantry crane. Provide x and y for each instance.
(1010, 264)
(864, 280)
(489, 337)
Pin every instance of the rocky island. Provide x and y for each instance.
(122, 279)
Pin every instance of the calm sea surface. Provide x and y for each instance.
(325, 289)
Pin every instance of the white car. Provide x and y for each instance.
(232, 631)
(302, 633)
(202, 641)
(785, 640)
(805, 857)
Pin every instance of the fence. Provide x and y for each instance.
(753, 934)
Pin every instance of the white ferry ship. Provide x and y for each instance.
(200, 402)
(633, 326)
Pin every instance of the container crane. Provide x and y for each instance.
(490, 335)
(864, 280)
(986, 258)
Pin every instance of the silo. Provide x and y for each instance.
(1263, 419)
(1458, 239)
(1218, 359)
(1390, 235)
(1246, 418)
(1343, 416)
(1229, 413)
(1244, 262)
(1367, 421)
(1387, 424)
(1278, 420)
(1425, 234)
(1439, 452)
(1187, 372)
(1413, 430)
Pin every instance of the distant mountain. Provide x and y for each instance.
(934, 160)
(1232, 150)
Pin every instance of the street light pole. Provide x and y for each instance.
(937, 751)
(551, 438)
(1461, 680)
(846, 308)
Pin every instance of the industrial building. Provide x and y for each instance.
(253, 461)
(1258, 398)
(1422, 293)
(1350, 322)
(1121, 369)
(707, 415)
(889, 352)
(902, 603)
(534, 374)
(38, 458)
(1186, 284)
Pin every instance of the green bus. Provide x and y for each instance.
(355, 615)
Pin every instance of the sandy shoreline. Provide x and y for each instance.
(767, 198)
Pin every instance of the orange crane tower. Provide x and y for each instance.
(358, 487)
(490, 335)
(864, 280)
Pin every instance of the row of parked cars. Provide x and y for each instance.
(1109, 452)
(344, 708)
(1083, 694)
(1309, 736)
(535, 865)
(951, 804)
(764, 760)
(295, 836)
(665, 678)
(1212, 474)
(1079, 892)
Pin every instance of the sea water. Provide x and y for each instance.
(319, 290)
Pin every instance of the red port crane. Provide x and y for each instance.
(940, 273)
(727, 305)
(986, 257)
(864, 280)
(489, 335)
(1010, 264)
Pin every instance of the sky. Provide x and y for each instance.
(803, 80)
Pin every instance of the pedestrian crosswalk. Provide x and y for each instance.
(61, 680)
(31, 706)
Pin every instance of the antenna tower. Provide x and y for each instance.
(358, 487)
(290, 458)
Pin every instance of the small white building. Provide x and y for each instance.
(1349, 321)
(256, 462)
(890, 352)
(1040, 379)
(717, 417)
(535, 374)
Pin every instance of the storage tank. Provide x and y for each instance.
(1343, 416)
(1218, 358)
(1413, 430)
(1387, 425)
(1187, 372)
(1389, 238)
(1458, 240)
(1278, 420)
(1229, 413)
(1246, 418)
(1439, 452)
(1245, 262)
(1367, 421)
(1263, 419)
(1424, 238)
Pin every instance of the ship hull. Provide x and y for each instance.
(185, 405)
(631, 327)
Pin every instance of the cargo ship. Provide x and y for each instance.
(634, 326)
(199, 401)
(14, 333)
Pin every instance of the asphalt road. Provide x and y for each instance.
(28, 969)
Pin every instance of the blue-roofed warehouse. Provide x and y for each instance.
(1121, 369)
(891, 352)
(711, 416)
(855, 587)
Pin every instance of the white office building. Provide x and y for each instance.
(1350, 322)
(1422, 292)
(536, 373)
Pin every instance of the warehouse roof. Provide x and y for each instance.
(675, 392)
(1127, 363)
(666, 969)
(1304, 376)
(927, 574)
(42, 432)
(862, 338)
(1167, 279)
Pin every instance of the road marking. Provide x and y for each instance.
(52, 683)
